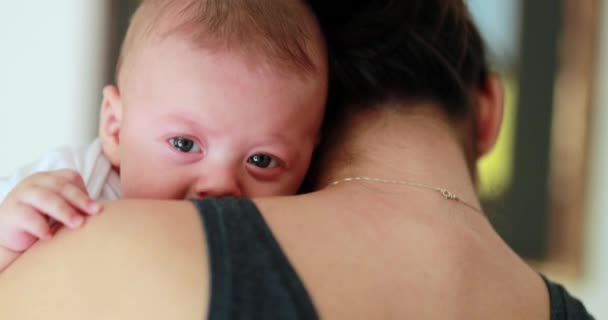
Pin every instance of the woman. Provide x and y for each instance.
(394, 229)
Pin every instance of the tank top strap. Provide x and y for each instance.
(251, 278)
(563, 305)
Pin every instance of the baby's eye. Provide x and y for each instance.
(184, 145)
(263, 161)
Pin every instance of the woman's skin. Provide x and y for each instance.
(149, 265)
(363, 250)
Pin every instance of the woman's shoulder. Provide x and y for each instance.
(482, 274)
(357, 260)
(138, 259)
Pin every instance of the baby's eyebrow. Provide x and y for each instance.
(182, 119)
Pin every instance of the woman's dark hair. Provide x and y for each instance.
(382, 51)
(401, 49)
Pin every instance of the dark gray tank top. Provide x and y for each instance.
(251, 278)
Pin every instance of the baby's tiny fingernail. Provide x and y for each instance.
(94, 207)
(76, 221)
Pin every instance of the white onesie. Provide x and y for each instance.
(102, 182)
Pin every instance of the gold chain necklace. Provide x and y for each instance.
(448, 195)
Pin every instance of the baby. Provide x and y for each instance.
(213, 98)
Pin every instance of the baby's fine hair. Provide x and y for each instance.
(278, 31)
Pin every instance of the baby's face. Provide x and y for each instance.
(198, 124)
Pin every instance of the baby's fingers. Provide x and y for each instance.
(32, 222)
(53, 205)
(79, 199)
(7, 257)
(69, 185)
(73, 177)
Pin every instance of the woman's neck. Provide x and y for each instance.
(416, 146)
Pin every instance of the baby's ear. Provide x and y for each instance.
(110, 122)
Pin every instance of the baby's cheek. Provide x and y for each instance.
(152, 191)
(296, 177)
(152, 185)
(281, 187)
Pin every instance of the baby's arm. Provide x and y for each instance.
(7, 257)
(26, 212)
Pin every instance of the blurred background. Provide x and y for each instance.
(544, 186)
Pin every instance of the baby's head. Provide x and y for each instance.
(215, 98)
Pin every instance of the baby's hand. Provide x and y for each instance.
(27, 211)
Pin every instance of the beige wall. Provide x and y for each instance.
(593, 288)
(50, 78)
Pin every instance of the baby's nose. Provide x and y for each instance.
(216, 186)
